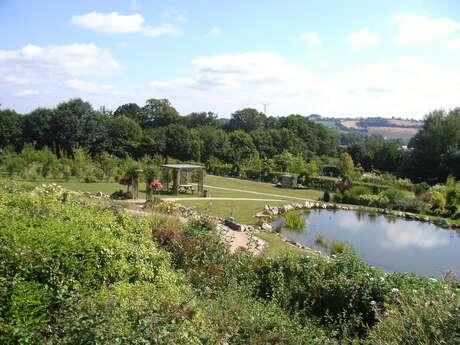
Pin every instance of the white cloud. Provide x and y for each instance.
(73, 59)
(115, 23)
(215, 31)
(312, 38)
(26, 93)
(362, 38)
(109, 23)
(50, 67)
(88, 87)
(452, 44)
(419, 29)
(408, 86)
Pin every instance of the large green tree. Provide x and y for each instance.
(241, 146)
(247, 119)
(37, 127)
(433, 145)
(125, 136)
(195, 120)
(10, 128)
(179, 142)
(160, 113)
(132, 111)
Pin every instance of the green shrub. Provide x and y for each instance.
(242, 319)
(327, 196)
(337, 292)
(424, 319)
(121, 195)
(133, 313)
(50, 250)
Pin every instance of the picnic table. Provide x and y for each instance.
(186, 188)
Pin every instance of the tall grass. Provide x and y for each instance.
(321, 240)
(338, 247)
(294, 220)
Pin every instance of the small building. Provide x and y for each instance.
(289, 181)
(179, 176)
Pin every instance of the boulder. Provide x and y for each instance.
(266, 227)
(232, 224)
(286, 208)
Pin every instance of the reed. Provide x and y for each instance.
(294, 220)
(338, 247)
(321, 240)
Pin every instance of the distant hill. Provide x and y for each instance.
(389, 128)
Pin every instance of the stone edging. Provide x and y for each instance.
(273, 211)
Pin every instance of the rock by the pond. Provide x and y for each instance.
(286, 208)
(232, 224)
(266, 227)
(271, 210)
(261, 215)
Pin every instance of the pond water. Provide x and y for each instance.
(391, 244)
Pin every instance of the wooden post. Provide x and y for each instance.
(176, 178)
(201, 183)
(165, 177)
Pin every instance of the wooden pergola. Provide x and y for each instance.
(180, 176)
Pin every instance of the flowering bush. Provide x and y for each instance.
(126, 181)
(163, 206)
(156, 185)
(52, 190)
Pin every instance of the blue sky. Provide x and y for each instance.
(335, 58)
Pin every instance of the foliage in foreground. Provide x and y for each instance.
(73, 274)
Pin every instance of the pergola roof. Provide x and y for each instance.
(182, 166)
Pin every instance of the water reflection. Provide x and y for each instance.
(412, 234)
(390, 243)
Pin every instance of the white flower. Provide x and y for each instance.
(395, 290)
(382, 279)
(373, 302)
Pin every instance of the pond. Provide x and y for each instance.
(391, 244)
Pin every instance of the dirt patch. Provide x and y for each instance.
(350, 124)
(393, 132)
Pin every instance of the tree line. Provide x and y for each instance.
(158, 128)
(249, 137)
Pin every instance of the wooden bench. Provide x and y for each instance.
(186, 188)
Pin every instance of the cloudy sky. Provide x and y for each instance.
(365, 58)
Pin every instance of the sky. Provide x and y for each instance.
(335, 58)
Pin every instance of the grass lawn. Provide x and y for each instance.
(243, 211)
(244, 186)
(260, 187)
(276, 247)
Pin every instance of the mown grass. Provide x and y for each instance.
(242, 211)
(276, 247)
(260, 187)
